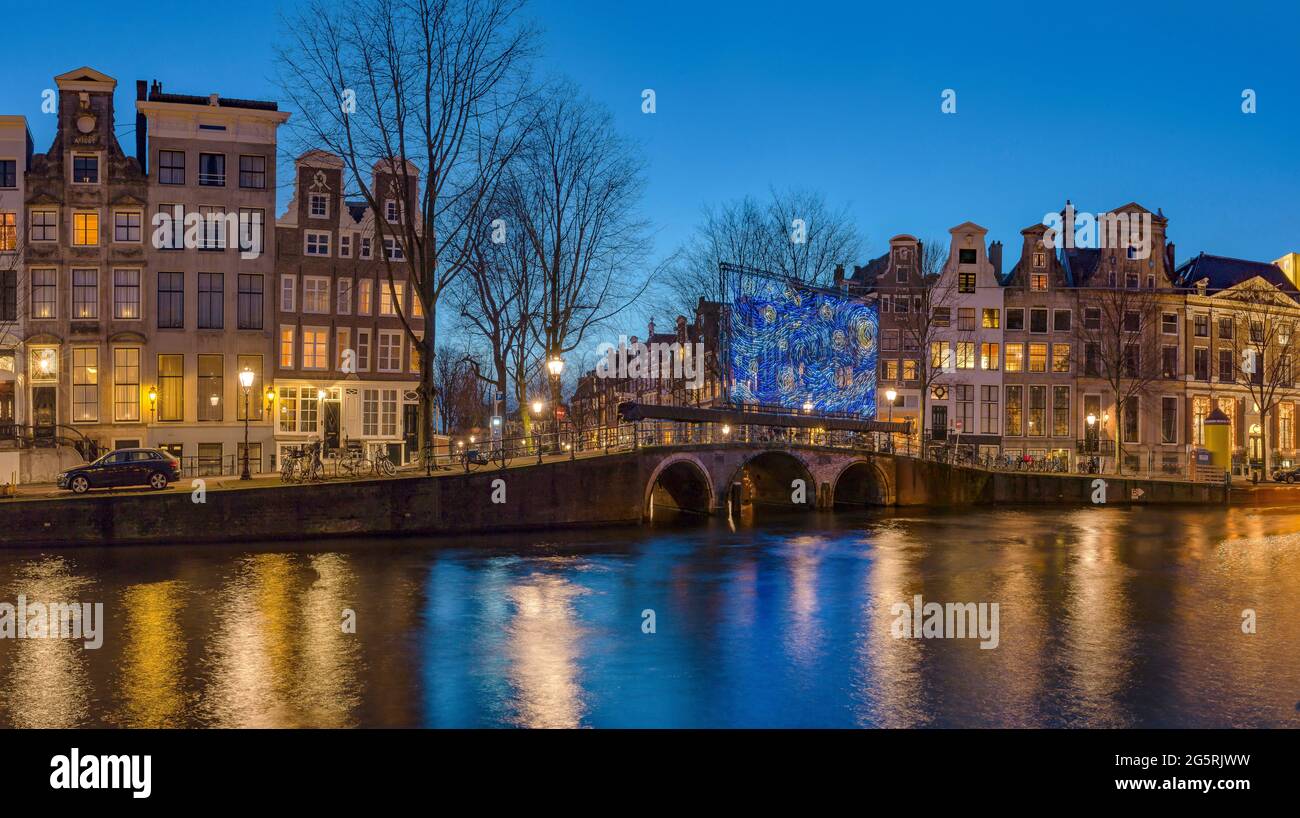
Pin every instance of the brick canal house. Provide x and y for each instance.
(345, 369)
(15, 158)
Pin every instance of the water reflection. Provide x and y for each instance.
(1109, 617)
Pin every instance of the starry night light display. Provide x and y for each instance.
(792, 345)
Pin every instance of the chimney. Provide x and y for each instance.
(651, 330)
(995, 257)
(1169, 259)
(142, 128)
(839, 273)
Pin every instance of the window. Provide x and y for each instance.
(85, 385)
(1092, 359)
(1040, 259)
(126, 226)
(966, 280)
(210, 459)
(171, 300)
(1038, 281)
(318, 206)
(965, 318)
(1060, 357)
(1132, 321)
(991, 318)
(1227, 365)
(85, 168)
(393, 249)
(909, 366)
(85, 229)
(1168, 420)
(942, 316)
(363, 350)
(889, 370)
(316, 294)
(288, 289)
(1132, 411)
(966, 256)
(249, 304)
(1225, 328)
(344, 297)
(1168, 323)
(286, 347)
(126, 384)
(965, 397)
(212, 235)
(85, 294)
(965, 354)
(366, 250)
(8, 173)
(252, 230)
(1015, 318)
(315, 347)
(391, 212)
(1201, 364)
(1015, 395)
(173, 215)
(989, 356)
(255, 392)
(390, 297)
(45, 225)
(1201, 326)
(211, 388)
(388, 355)
(8, 296)
(1038, 357)
(126, 294)
(45, 290)
(1092, 318)
(1015, 357)
(212, 169)
(171, 387)
(379, 412)
(989, 409)
(1132, 360)
(1060, 411)
(940, 356)
(1037, 411)
(342, 343)
(1285, 426)
(1169, 361)
(171, 167)
(8, 232)
(363, 296)
(288, 404)
(212, 303)
(1257, 332)
(1061, 321)
(1200, 409)
(318, 243)
(252, 172)
(1038, 320)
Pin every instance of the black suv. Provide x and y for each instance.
(1286, 475)
(124, 467)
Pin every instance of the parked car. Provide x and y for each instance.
(1287, 475)
(124, 467)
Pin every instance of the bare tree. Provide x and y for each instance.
(1119, 334)
(573, 190)
(1264, 349)
(793, 233)
(405, 87)
(925, 320)
(460, 392)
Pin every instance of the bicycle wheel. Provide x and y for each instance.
(385, 467)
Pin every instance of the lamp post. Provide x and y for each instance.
(538, 406)
(891, 395)
(555, 366)
(1092, 439)
(153, 404)
(246, 383)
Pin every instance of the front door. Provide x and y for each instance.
(6, 408)
(43, 413)
(411, 429)
(331, 425)
(939, 421)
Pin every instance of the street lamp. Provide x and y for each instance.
(555, 366)
(538, 406)
(246, 383)
(891, 395)
(153, 404)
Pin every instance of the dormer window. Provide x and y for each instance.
(318, 206)
(1040, 260)
(390, 211)
(85, 168)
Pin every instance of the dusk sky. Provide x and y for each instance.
(1140, 104)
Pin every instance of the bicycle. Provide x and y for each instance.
(352, 463)
(383, 467)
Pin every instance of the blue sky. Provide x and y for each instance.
(1140, 103)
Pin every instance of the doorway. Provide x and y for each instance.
(332, 427)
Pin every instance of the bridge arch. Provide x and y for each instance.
(681, 484)
(767, 479)
(862, 483)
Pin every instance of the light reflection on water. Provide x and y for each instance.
(1109, 617)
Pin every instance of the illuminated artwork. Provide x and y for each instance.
(792, 345)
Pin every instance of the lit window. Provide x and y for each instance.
(85, 229)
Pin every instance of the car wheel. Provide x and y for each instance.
(79, 484)
(157, 480)
(1290, 478)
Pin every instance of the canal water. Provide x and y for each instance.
(1107, 617)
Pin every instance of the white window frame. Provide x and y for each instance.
(315, 346)
(289, 304)
(312, 199)
(315, 283)
(307, 237)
